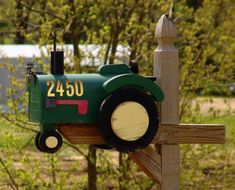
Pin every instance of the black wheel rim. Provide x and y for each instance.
(50, 136)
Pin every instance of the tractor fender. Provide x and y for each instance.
(133, 80)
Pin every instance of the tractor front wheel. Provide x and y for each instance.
(49, 142)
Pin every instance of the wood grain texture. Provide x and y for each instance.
(166, 70)
(149, 161)
(190, 134)
(81, 133)
(129, 121)
(170, 155)
(167, 134)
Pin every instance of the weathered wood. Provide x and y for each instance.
(167, 134)
(149, 161)
(190, 134)
(170, 167)
(167, 72)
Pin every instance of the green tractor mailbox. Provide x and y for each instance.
(120, 101)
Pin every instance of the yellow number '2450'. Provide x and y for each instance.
(70, 88)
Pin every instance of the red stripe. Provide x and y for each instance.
(81, 104)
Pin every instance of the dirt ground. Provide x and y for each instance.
(220, 105)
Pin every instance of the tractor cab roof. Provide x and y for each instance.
(114, 69)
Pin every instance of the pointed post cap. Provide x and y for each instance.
(165, 28)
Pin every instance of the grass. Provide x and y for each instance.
(229, 122)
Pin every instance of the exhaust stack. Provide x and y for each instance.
(57, 59)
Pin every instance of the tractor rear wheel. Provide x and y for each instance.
(128, 119)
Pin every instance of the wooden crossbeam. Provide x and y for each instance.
(149, 161)
(190, 134)
(167, 134)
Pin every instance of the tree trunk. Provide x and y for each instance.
(107, 52)
(22, 20)
(133, 53)
(114, 48)
(76, 52)
(19, 38)
(92, 172)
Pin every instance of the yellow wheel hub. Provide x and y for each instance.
(51, 142)
(130, 121)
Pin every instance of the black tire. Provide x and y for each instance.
(121, 97)
(36, 141)
(44, 140)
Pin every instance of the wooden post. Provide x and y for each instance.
(166, 70)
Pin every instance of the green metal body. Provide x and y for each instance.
(93, 92)
(96, 87)
(125, 80)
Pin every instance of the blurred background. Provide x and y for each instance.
(98, 32)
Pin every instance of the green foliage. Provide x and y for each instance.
(216, 89)
(209, 166)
